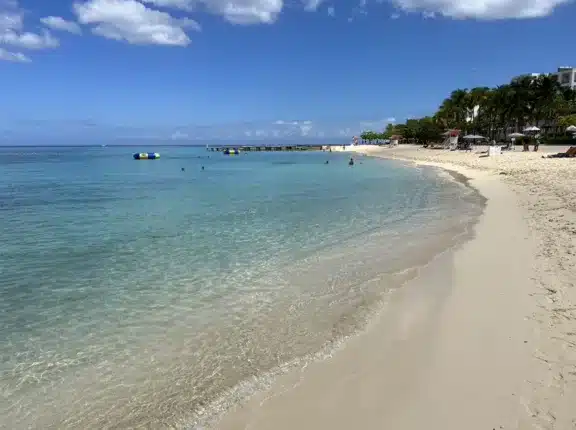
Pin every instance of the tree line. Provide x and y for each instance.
(493, 112)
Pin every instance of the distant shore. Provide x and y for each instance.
(484, 338)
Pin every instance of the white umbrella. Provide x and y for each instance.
(473, 137)
(533, 128)
(571, 129)
(515, 135)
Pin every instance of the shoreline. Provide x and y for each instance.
(234, 399)
(545, 191)
(452, 357)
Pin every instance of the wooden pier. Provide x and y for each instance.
(255, 148)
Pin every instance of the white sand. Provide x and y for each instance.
(484, 338)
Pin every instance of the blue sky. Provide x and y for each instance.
(234, 69)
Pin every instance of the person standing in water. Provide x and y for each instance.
(351, 162)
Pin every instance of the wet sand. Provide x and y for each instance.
(483, 338)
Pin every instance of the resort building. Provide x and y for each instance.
(566, 76)
(527, 75)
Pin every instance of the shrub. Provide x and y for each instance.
(559, 140)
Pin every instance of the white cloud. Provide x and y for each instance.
(428, 15)
(178, 135)
(29, 40)
(311, 5)
(376, 125)
(282, 122)
(15, 57)
(10, 20)
(177, 4)
(395, 16)
(246, 11)
(58, 23)
(131, 21)
(234, 11)
(12, 30)
(305, 129)
(331, 11)
(483, 9)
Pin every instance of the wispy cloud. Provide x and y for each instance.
(59, 23)
(168, 22)
(29, 40)
(312, 5)
(378, 124)
(483, 9)
(281, 129)
(233, 11)
(14, 57)
(12, 33)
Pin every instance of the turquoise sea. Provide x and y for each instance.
(135, 294)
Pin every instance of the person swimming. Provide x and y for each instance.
(351, 162)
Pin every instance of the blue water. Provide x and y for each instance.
(135, 293)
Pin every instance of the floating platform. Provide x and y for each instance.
(229, 150)
(146, 156)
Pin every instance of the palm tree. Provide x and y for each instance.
(476, 102)
(497, 111)
(452, 112)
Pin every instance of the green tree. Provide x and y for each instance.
(497, 111)
(567, 120)
(428, 131)
(390, 131)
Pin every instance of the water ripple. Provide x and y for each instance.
(133, 294)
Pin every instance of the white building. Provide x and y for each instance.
(527, 75)
(566, 76)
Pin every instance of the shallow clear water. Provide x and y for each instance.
(133, 294)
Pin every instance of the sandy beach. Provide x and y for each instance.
(484, 337)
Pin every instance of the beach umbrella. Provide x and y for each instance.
(473, 137)
(531, 129)
(514, 135)
(571, 129)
